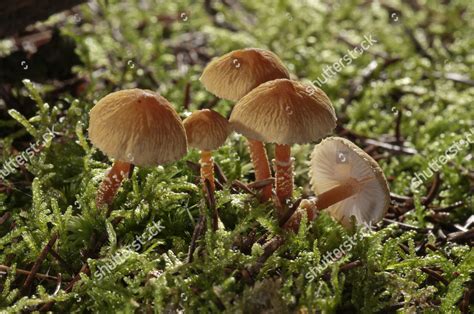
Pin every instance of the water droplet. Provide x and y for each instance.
(341, 157)
(236, 63)
(77, 18)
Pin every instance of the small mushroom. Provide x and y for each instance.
(207, 131)
(135, 127)
(284, 112)
(234, 75)
(348, 182)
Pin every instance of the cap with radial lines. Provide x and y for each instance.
(236, 73)
(335, 161)
(137, 126)
(206, 129)
(283, 112)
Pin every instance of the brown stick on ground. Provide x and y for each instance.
(268, 250)
(435, 275)
(4, 218)
(84, 270)
(464, 304)
(461, 236)
(198, 231)
(38, 262)
(433, 192)
(257, 185)
(19, 271)
(344, 268)
(200, 228)
(238, 185)
(220, 174)
(61, 261)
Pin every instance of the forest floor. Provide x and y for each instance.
(406, 99)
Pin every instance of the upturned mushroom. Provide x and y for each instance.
(134, 127)
(234, 75)
(207, 131)
(284, 112)
(348, 182)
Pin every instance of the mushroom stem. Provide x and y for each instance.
(207, 169)
(326, 199)
(337, 194)
(111, 183)
(261, 166)
(284, 172)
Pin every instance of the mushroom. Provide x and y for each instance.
(207, 131)
(234, 75)
(135, 127)
(282, 111)
(348, 182)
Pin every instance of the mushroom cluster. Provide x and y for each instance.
(283, 112)
(140, 127)
(233, 76)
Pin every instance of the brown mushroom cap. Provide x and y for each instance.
(206, 129)
(284, 112)
(137, 126)
(238, 72)
(335, 161)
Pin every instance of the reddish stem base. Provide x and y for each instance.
(112, 182)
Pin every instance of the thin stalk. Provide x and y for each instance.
(111, 183)
(284, 172)
(261, 166)
(207, 169)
